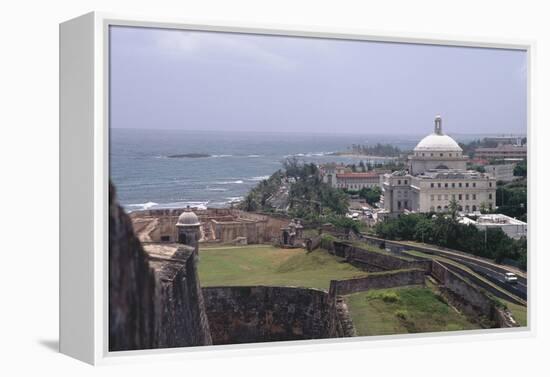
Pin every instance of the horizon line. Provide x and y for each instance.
(497, 134)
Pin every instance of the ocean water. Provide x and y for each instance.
(146, 178)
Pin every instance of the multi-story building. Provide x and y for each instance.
(437, 175)
(339, 176)
(502, 152)
(504, 172)
(357, 181)
(515, 140)
(514, 228)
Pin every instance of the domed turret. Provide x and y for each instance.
(188, 227)
(188, 218)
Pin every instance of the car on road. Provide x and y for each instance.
(510, 277)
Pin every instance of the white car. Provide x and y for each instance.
(510, 278)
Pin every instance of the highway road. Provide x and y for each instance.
(484, 267)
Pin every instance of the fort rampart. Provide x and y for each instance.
(377, 261)
(270, 313)
(378, 280)
(470, 299)
(223, 225)
(155, 300)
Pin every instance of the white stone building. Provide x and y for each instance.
(514, 228)
(504, 172)
(339, 176)
(437, 175)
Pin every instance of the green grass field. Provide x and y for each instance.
(518, 311)
(377, 312)
(268, 265)
(403, 310)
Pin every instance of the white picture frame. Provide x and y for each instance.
(84, 169)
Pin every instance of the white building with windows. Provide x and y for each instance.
(340, 176)
(513, 228)
(503, 172)
(437, 175)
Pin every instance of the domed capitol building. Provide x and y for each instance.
(437, 175)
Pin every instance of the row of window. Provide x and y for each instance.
(460, 208)
(453, 185)
(356, 186)
(405, 181)
(454, 197)
(440, 154)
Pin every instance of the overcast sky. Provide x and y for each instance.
(172, 79)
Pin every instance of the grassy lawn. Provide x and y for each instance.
(268, 265)
(403, 310)
(518, 311)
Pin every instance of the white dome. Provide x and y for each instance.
(188, 218)
(437, 142)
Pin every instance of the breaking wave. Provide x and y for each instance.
(238, 181)
(258, 179)
(310, 154)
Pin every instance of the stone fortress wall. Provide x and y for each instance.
(376, 261)
(155, 299)
(476, 302)
(222, 225)
(251, 314)
(470, 299)
(378, 280)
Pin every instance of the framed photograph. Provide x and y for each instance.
(253, 187)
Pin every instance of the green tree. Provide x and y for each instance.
(520, 170)
(371, 195)
(453, 209)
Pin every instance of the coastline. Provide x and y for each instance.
(364, 156)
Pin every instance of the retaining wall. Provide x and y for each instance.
(378, 280)
(266, 313)
(377, 260)
(470, 299)
(155, 301)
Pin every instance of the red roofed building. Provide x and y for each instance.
(353, 181)
(356, 181)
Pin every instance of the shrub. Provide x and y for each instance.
(401, 314)
(390, 297)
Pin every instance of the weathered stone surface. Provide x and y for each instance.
(379, 280)
(264, 314)
(345, 322)
(470, 299)
(376, 261)
(155, 298)
(222, 225)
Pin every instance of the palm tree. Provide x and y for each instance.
(453, 209)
